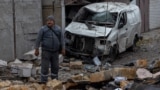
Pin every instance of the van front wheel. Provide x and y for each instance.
(113, 53)
(134, 46)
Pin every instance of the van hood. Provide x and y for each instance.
(82, 29)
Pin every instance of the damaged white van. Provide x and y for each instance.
(105, 28)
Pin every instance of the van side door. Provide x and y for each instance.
(122, 31)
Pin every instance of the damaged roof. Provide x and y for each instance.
(110, 6)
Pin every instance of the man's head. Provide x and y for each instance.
(50, 21)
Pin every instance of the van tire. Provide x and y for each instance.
(134, 46)
(113, 53)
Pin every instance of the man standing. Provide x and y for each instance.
(51, 39)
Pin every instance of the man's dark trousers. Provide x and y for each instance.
(49, 59)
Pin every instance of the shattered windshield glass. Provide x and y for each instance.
(98, 18)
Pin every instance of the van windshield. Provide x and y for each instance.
(105, 18)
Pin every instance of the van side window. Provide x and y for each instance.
(123, 20)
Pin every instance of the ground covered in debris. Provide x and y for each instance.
(138, 70)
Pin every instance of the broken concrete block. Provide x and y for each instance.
(17, 82)
(128, 72)
(3, 63)
(108, 74)
(18, 87)
(143, 73)
(118, 79)
(143, 63)
(96, 61)
(97, 76)
(17, 61)
(123, 84)
(91, 68)
(76, 65)
(64, 64)
(25, 70)
(33, 72)
(5, 84)
(38, 86)
(80, 78)
(156, 75)
(60, 58)
(54, 85)
(30, 55)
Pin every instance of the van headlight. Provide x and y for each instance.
(68, 35)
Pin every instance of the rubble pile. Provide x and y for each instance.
(76, 74)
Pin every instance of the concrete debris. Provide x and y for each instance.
(80, 78)
(128, 72)
(30, 55)
(96, 61)
(97, 77)
(5, 84)
(126, 85)
(76, 65)
(144, 73)
(54, 85)
(17, 82)
(142, 63)
(3, 63)
(64, 64)
(91, 68)
(36, 86)
(119, 79)
(61, 58)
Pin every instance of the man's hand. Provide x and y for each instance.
(36, 52)
(63, 52)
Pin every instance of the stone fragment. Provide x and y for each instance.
(5, 84)
(3, 63)
(143, 73)
(128, 72)
(76, 65)
(54, 85)
(80, 78)
(142, 63)
(97, 76)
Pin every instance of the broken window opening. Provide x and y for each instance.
(105, 18)
(123, 20)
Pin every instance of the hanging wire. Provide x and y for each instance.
(105, 30)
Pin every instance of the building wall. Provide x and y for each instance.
(28, 14)
(6, 30)
(20, 22)
(154, 14)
